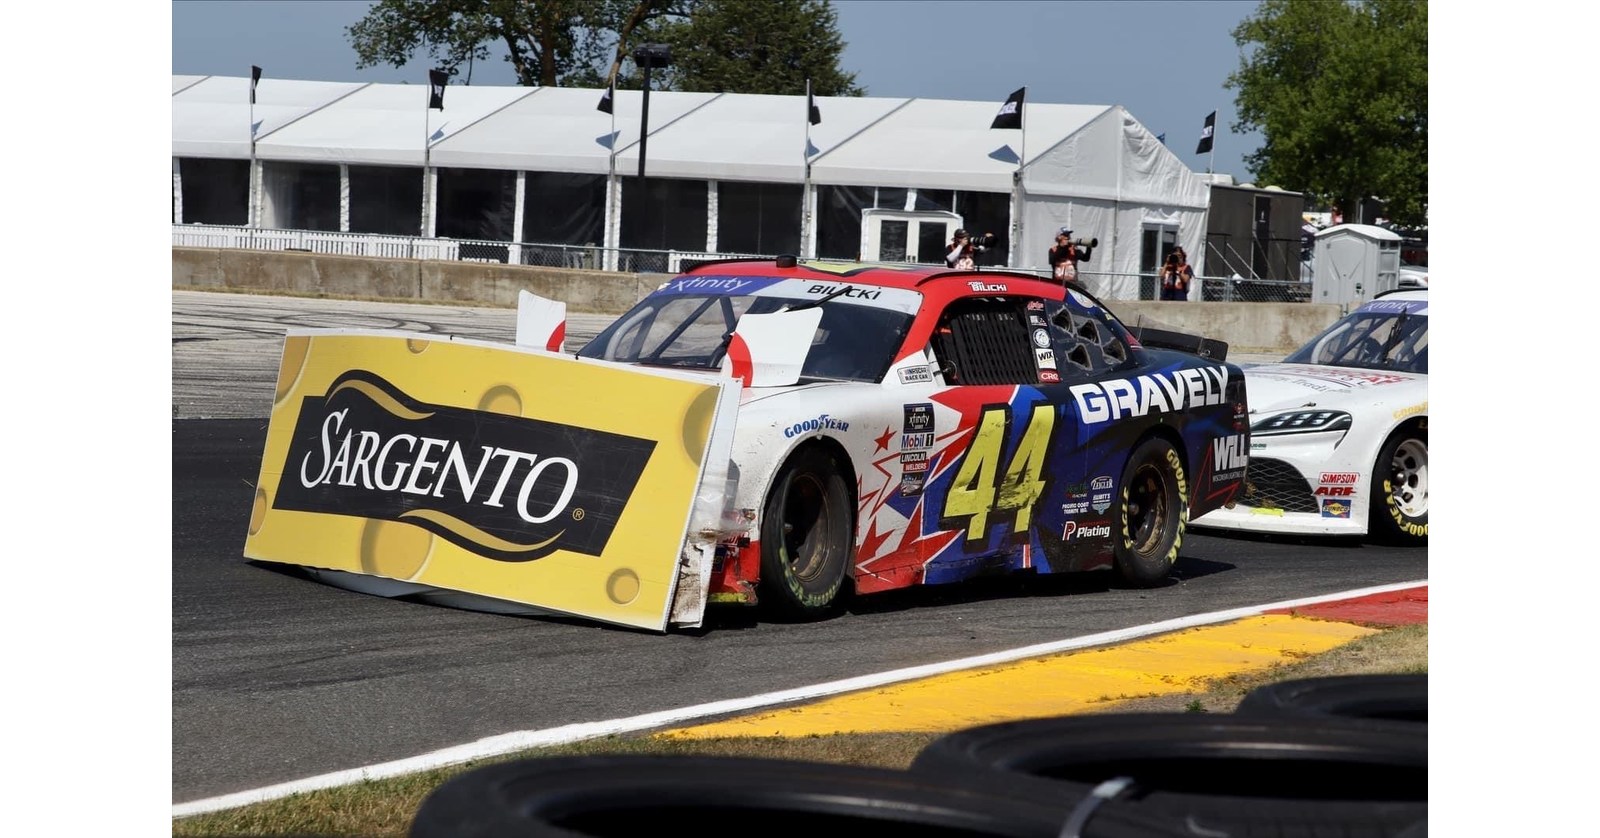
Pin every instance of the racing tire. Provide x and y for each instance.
(1153, 514)
(807, 536)
(1398, 698)
(717, 796)
(1399, 508)
(1223, 774)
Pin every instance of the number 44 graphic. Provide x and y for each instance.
(980, 488)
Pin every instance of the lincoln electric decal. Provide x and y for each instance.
(484, 469)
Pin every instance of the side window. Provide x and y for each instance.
(985, 341)
(1085, 346)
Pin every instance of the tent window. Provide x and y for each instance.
(477, 204)
(839, 220)
(936, 199)
(988, 212)
(891, 198)
(214, 191)
(759, 218)
(300, 196)
(386, 199)
(564, 208)
(665, 214)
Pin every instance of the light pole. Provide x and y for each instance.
(648, 57)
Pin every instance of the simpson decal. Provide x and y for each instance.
(503, 487)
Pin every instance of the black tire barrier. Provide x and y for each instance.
(712, 797)
(1231, 774)
(1399, 698)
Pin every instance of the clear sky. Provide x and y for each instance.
(1164, 61)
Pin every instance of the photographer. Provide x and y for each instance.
(1065, 255)
(962, 252)
(1175, 276)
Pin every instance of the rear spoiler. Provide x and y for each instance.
(1209, 348)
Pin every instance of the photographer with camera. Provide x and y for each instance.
(962, 252)
(1066, 253)
(1175, 276)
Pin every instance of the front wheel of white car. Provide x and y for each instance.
(807, 536)
(1399, 513)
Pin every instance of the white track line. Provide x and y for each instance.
(523, 740)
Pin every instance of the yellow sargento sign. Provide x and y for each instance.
(488, 469)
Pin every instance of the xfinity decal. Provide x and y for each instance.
(1138, 396)
(918, 418)
(714, 285)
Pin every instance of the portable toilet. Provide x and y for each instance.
(1354, 263)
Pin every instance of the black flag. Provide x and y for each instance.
(1010, 115)
(812, 112)
(436, 82)
(605, 98)
(1205, 134)
(255, 77)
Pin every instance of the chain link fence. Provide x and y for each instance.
(1105, 284)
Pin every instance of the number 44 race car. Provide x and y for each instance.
(763, 432)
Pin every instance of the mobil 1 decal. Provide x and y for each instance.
(504, 487)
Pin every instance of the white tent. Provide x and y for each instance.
(1093, 168)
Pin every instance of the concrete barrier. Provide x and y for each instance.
(1247, 327)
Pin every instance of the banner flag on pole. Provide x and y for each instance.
(255, 78)
(1010, 115)
(1205, 134)
(436, 82)
(1161, 138)
(606, 97)
(812, 111)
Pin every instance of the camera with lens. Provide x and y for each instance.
(980, 242)
(1091, 242)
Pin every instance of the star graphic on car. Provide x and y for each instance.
(883, 441)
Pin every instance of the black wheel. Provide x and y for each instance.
(807, 536)
(1399, 509)
(1154, 513)
(1392, 697)
(725, 797)
(1228, 774)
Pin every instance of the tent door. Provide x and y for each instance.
(902, 236)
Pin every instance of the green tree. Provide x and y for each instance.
(1339, 91)
(739, 46)
(548, 42)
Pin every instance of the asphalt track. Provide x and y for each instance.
(280, 683)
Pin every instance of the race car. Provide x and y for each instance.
(755, 432)
(1339, 431)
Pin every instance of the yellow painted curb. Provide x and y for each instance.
(1063, 684)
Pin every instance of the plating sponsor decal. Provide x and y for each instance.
(918, 374)
(1041, 338)
(849, 292)
(1088, 529)
(918, 418)
(1335, 491)
(817, 424)
(986, 286)
(1339, 477)
(1100, 501)
(1164, 392)
(1411, 411)
(914, 462)
(504, 487)
(1335, 508)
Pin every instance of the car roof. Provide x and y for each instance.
(931, 280)
(1403, 294)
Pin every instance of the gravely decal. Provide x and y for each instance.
(1165, 392)
(503, 487)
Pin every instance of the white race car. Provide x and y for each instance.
(1339, 431)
